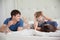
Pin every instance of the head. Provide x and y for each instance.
(38, 14)
(15, 14)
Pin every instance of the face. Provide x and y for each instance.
(17, 17)
(39, 18)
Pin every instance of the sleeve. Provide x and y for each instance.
(20, 23)
(6, 22)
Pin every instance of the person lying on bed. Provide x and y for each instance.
(14, 23)
(40, 20)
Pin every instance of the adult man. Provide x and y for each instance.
(14, 23)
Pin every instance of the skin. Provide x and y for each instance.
(14, 20)
(36, 22)
(27, 26)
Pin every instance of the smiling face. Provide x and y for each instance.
(15, 14)
(17, 17)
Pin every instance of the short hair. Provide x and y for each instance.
(15, 12)
(37, 14)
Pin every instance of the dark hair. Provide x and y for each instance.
(48, 28)
(37, 14)
(15, 12)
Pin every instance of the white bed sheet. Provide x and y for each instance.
(30, 34)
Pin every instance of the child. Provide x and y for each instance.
(40, 20)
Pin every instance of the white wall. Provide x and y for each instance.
(0, 10)
(5, 8)
(50, 8)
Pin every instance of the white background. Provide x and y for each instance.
(50, 8)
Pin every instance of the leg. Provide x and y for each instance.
(53, 23)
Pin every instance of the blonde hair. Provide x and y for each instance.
(37, 14)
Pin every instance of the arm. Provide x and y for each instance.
(26, 24)
(6, 25)
(4, 28)
(20, 28)
(35, 24)
(47, 18)
(20, 25)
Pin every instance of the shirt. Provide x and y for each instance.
(15, 26)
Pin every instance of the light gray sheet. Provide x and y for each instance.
(30, 34)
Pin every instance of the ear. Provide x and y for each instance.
(13, 16)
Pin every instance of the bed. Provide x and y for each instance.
(31, 34)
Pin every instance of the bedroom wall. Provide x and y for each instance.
(5, 8)
(50, 8)
(0, 10)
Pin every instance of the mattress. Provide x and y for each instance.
(30, 34)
